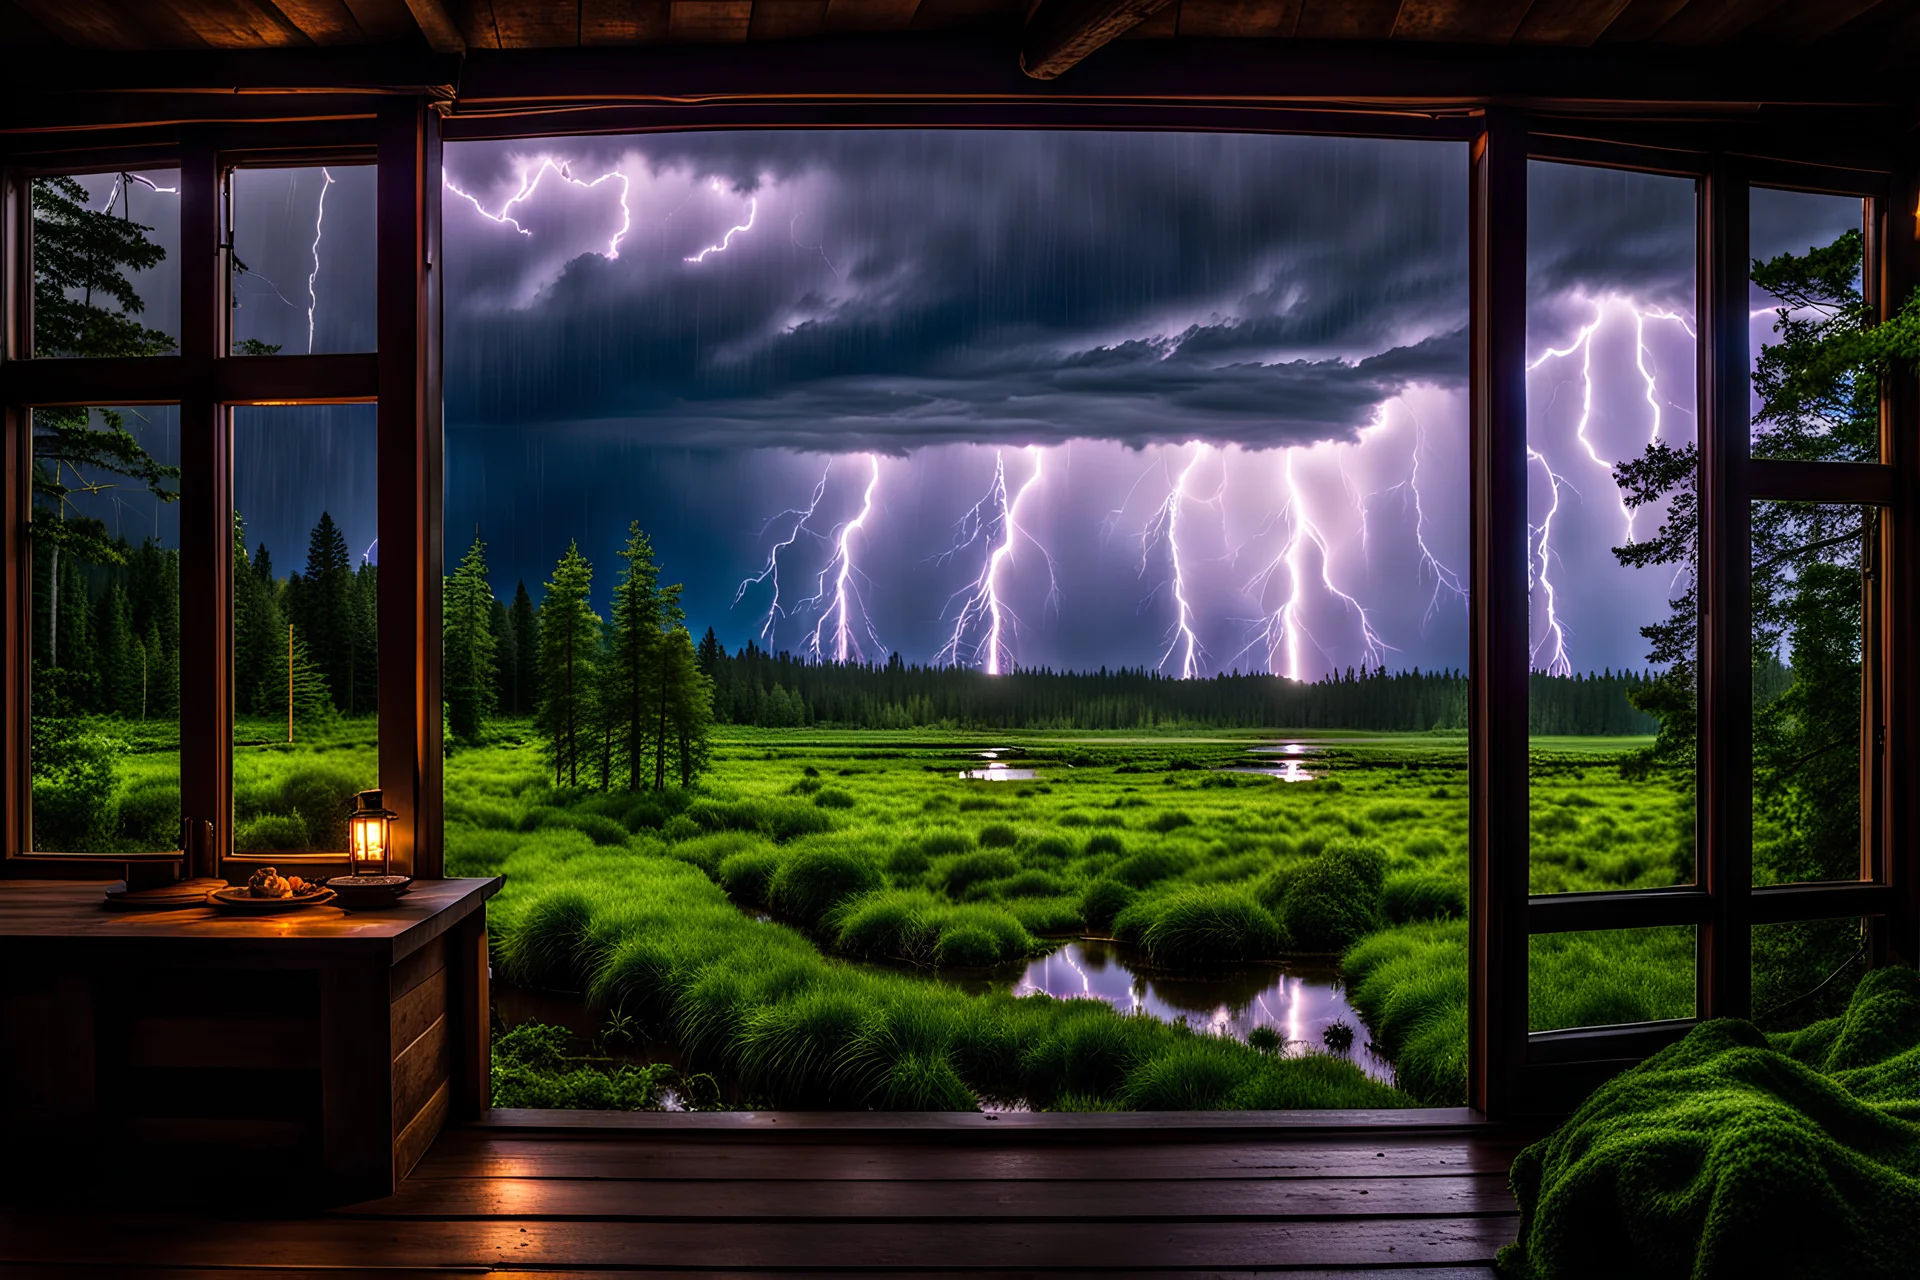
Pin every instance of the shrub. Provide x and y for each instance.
(1338, 1035)
(1265, 1039)
(998, 835)
(533, 1068)
(323, 795)
(941, 844)
(150, 814)
(1210, 926)
(833, 798)
(1149, 865)
(811, 881)
(1332, 901)
(271, 833)
(1417, 896)
(956, 875)
(1102, 900)
(745, 875)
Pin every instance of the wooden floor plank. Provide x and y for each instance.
(984, 1201)
(475, 1155)
(534, 1244)
(119, 1272)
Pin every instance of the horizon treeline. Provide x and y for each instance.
(778, 690)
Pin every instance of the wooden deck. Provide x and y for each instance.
(563, 1194)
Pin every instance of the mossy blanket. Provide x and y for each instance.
(1730, 1155)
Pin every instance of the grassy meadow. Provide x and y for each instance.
(783, 924)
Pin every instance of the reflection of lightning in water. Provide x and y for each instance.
(992, 522)
(1283, 631)
(319, 220)
(845, 590)
(771, 570)
(560, 170)
(1183, 638)
(753, 208)
(1553, 635)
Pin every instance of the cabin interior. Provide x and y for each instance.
(353, 919)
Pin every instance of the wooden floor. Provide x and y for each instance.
(560, 1194)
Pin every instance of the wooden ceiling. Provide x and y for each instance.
(459, 25)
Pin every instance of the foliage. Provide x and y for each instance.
(469, 649)
(1819, 391)
(534, 1066)
(1723, 1155)
(569, 656)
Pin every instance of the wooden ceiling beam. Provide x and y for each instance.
(437, 25)
(1062, 32)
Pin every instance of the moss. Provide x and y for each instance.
(1724, 1156)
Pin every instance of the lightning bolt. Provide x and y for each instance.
(1553, 636)
(113, 193)
(1165, 529)
(1284, 632)
(319, 220)
(366, 557)
(561, 170)
(1445, 581)
(845, 591)
(771, 570)
(753, 207)
(993, 521)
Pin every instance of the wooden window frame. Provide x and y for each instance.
(1513, 1070)
(1510, 1069)
(206, 381)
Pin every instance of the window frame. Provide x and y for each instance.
(1511, 1070)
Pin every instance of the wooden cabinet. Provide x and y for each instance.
(317, 1051)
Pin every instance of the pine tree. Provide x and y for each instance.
(506, 656)
(114, 649)
(323, 612)
(526, 638)
(635, 638)
(259, 635)
(363, 642)
(569, 649)
(692, 710)
(670, 679)
(469, 674)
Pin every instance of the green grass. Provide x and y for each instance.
(867, 848)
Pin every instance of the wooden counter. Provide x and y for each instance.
(319, 1050)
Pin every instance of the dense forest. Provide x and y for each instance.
(755, 687)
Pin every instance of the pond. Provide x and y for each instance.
(1299, 1002)
(997, 771)
(1288, 767)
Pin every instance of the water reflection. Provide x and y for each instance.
(1299, 1004)
(996, 771)
(1289, 768)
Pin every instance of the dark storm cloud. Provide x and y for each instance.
(901, 289)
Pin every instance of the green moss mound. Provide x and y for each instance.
(1727, 1155)
(1332, 901)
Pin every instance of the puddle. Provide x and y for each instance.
(1289, 767)
(1299, 1004)
(996, 771)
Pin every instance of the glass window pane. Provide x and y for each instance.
(1806, 971)
(1063, 548)
(106, 264)
(305, 730)
(1806, 293)
(1610, 436)
(1609, 976)
(105, 748)
(303, 260)
(1813, 587)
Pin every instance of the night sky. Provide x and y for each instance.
(1233, 369)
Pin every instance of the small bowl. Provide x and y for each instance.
(363, 892)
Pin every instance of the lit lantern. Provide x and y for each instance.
(370, 833)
